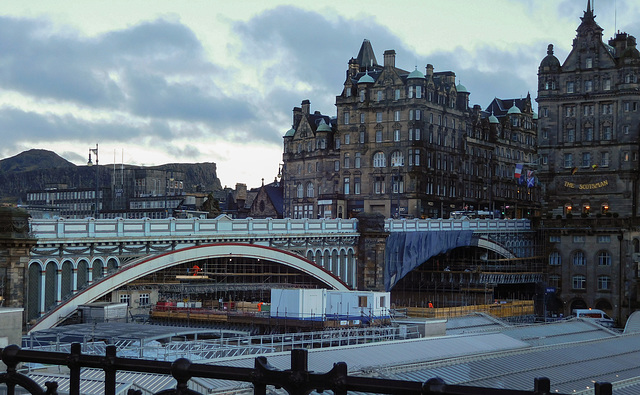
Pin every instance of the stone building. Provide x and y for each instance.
(588, 139)
(406, 144)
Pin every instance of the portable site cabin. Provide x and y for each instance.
(322, 304)
(299, 304)
(357, 305)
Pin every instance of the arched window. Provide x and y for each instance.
(604, 258)
(379, 160)
(555, 259)
(579, 282)
(299, 191)
(578, 258)
(397, 159)
(310, 189)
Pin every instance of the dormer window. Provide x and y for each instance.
(589, 63)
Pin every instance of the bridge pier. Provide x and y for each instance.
(15, 247)
(371, 256)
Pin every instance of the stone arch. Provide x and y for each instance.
(66, 280)
(318, 258)
(310, 255)
(577, 303)
(112, 265)
(33, 305)
(82, 273)
(97, 269)
(326, 262)
(605, 305)
(50, 284)
(334, 261)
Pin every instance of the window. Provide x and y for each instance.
(555, 259)
(418, 115)
(570, 87)
(356, 185)
(346, 185)
(604, 159)
(378, 117)
(418, 92)
(396, 135)
(604, 258)
(357, 160)
(606, 84)
(361, 140)
(397, 94)
(143, 300)
(578, 258)
(379, 160)
(347, 138)
(299, 191)
(310, 189)
(589, 63)
(554, 280)
(396, 116)
(588, 133)
(347, 161)
(397, 159)
(378, 185)
(414, 157)
(604, 239)
(579, 282)
(362, 95)
(336, 143)
(625, 156)
(571, 135)
(346, 118)
(606, 132)
(336, 165)
(380, 96)
(362, 117)
(586, 159)
(378, 136)
(588, 86)
(568, 160)
(604, 283)
(625, 129)
(125, 298)
(397, 184)
(578, 239)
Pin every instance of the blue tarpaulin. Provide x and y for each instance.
(407, 250)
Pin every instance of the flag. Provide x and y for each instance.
(518, 172)
(531, 182)
(574, 170)
(594, 167)
(521, 181)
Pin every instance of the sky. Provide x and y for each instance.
(155, 82)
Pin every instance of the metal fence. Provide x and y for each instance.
(295, 381)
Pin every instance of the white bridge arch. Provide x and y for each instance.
(142, 267)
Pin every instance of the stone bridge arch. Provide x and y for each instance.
(151, 264)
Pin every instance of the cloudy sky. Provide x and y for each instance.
(156, 82)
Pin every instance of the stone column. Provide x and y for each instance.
(15, 251)
(370, 258)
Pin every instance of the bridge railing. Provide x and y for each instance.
(190, 227)
(297, 380)
(477, 225)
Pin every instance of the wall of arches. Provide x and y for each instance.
(51, 281)
(339, 261)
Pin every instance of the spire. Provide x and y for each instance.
(366, 57)
(588, 14)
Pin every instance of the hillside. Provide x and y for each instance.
(34, 169)
(34, 159)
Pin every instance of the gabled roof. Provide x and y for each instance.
(501, 107)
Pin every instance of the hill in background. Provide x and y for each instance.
(37, 168)
(34, 159)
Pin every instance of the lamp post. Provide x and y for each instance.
(89, 163)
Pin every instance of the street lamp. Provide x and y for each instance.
(89, 163)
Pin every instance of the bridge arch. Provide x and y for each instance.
(151, 264)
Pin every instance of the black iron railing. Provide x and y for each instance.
(297, 380)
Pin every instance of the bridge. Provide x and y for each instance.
(79, 261)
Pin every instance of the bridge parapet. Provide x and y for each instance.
(90, 228)
(438, 225)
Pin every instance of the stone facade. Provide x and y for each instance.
(589, 133)
(405, 144)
